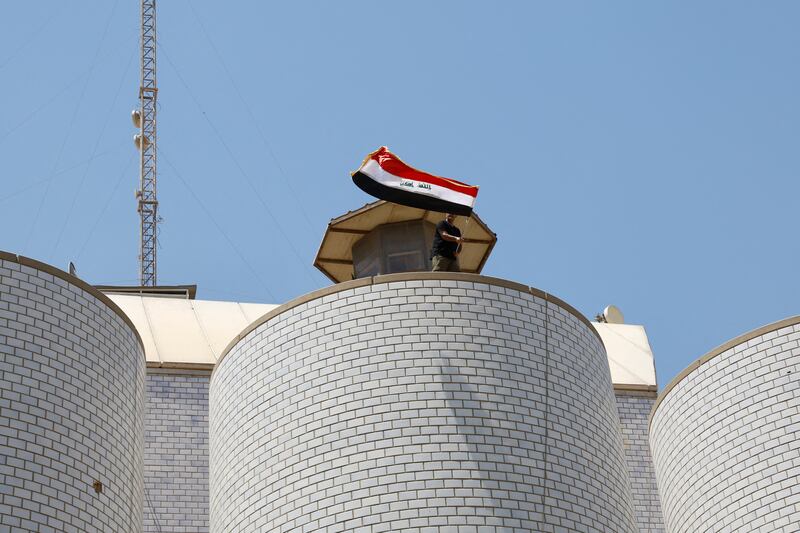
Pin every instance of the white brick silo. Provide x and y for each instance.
(725, 436)
(71, 405)
(413, 401)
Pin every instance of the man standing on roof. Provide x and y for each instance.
(446, 246)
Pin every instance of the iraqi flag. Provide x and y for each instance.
(385, 176)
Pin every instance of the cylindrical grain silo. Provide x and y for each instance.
(71, 405)
(417, 400)
(725, 435)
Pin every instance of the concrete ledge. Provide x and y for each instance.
(652, 390)
(155, 368)
(407, 276)
(741, 339)
(73, 280)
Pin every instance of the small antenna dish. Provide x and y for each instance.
(137, 141)
(613, 315)
(136, 117)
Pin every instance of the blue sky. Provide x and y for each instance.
(643, 154)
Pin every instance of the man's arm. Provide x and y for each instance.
(452, 238)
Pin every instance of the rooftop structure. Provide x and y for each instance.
(386, 238)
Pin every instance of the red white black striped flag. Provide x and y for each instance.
(385, 176)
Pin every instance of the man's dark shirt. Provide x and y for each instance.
(441, 246)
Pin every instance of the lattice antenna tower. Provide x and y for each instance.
(144, 118)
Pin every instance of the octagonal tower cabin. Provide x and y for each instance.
(387, 238)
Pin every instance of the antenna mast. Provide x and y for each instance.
(145, 119)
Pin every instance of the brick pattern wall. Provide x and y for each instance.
(417, 406)
(71, 408)
(726, 443)
(176, 454)
(634, 412)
